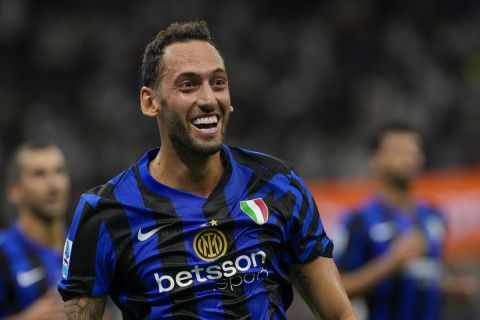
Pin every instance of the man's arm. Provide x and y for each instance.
(84, 308)
(402, 250)
(319, 284)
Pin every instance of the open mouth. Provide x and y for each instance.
(206, 123)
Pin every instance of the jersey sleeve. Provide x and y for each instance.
(352, 239)
(88, 258)
(307, 239)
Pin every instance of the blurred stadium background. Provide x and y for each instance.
(310, 81)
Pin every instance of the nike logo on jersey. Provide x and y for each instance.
(27, 278)
(145, 236)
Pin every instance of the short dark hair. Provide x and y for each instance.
(176, 32)
(13, 165)
(378, 136)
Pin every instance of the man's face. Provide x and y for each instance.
(399, 157)
(194, 98)
(43, 183)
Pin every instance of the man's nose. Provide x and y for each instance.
(206, 97)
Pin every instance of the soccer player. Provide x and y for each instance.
(394, 241)
(30, 249)
(197, 229)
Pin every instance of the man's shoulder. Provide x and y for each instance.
(355, 216)
(360, 215)
(106, 191)
(9, 238)
(259, 161)
(430, 210)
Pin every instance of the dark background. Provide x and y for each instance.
(309, 81)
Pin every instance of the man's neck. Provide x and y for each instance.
(195, 174)
(46, 233)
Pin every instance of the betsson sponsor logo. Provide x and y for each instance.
(230, 273)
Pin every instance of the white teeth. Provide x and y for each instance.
(205, 120)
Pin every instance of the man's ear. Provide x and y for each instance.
(149, 102)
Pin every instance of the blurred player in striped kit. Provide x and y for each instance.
(392, 245)
(30, 249)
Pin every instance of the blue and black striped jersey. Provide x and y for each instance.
(413, 293)
(163, 253)
(27, 271)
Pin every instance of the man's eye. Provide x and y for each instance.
(219, 83)
(61, 170)
(187, 84)
(38, 173)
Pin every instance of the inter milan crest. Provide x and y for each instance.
(255, 209)
(210, 244)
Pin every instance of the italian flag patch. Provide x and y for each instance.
(255, 209)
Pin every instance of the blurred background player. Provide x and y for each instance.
(392, 254)
(30, 249)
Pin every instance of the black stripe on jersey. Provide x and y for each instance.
(283, 204)
(183, 299)
(36, 262)
(420, 304)
(392, 299)
(118, 227)
(356, 227)
(82, 262)
(313, 226)
(396, 309)
(217, 198)
(12, 304)
(265, 168)
(216, 208)
(269, 163)
(304, 206)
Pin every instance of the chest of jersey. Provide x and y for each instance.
(233, 251)
(28, 272)
(425, 270)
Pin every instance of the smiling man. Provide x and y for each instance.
(197, 229)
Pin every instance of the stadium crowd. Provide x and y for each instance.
(310, 81)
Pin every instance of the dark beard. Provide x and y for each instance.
(42, 215)
(182, 141)
(399, 182)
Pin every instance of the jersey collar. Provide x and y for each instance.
(165, 190)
